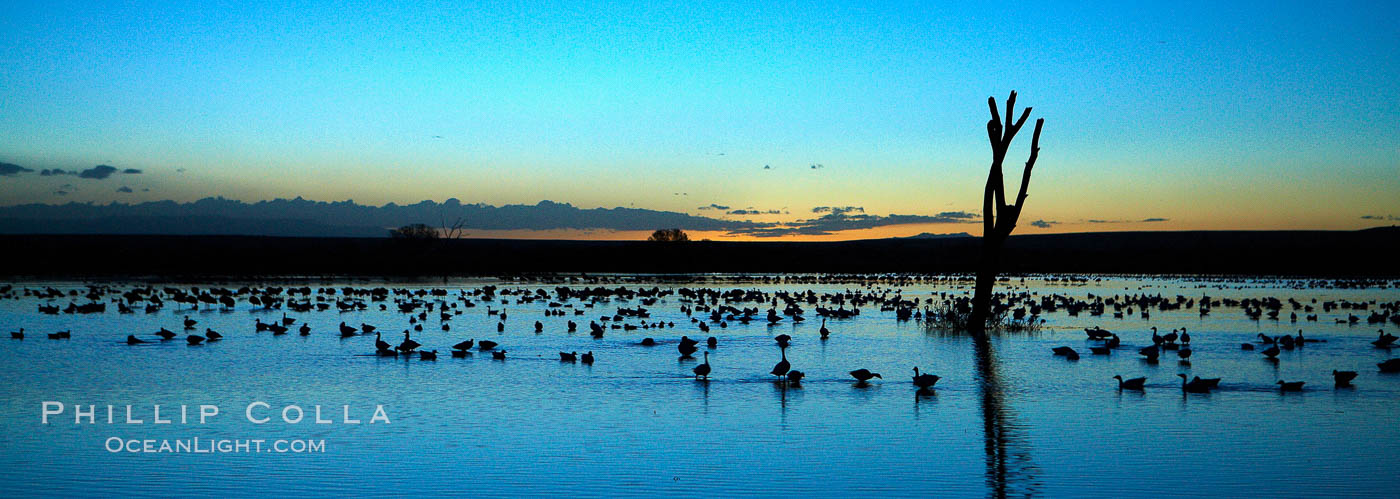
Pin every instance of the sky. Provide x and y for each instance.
(1159, 116)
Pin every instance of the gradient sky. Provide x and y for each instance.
(1239, 115)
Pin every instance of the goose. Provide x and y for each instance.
(1170, 337)
(131, 339)
(1113, 341)
(366, 328)
(380, 344)
(194, 339)
(1067, 353)
(1150, 353)
(1267, 340)
(427, 355)
(486, 345)
(189, 323)
(305, 329)
(1246, 346)
(277, 329)
(648, 342)
(1390, 366)
(1271, 352)
(1196, 386)
(1384, 340)
(212, 335)
(703, 370)
(1210, 382)
(782, 367)
(587, 358)
(459, 354)
(1343, 378)
(686, 347)
(1185, 337)
(408, 345)
(259, 325)
(782, 340)
(862, 375)
(712, 342)
(924, 381)
(1290, 386)
(446, 327)
(1130, 384)
(568, 356)
(347, 331)
(287, 321)
(61, 335)
(794, 377)
(824, 331)
(465, 345)
(499, 355)
(500, 327)
(17, 335)
(1156, 338)
(165, 334)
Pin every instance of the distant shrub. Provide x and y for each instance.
(669, 236)
(418, 232)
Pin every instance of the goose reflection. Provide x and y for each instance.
(1010, 470)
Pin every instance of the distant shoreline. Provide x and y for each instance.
(1364, 253)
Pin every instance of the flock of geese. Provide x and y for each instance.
(1169, 342)
(706, 308)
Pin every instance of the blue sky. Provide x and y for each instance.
(1248, 115)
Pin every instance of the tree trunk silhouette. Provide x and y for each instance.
(998, 217)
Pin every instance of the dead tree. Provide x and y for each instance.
(998, 217)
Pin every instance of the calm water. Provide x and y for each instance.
(1007, 419)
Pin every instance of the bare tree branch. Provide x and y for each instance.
(1030, 164)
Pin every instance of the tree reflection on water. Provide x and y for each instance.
(1010, 471)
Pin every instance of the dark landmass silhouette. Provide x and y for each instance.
(1364, 253)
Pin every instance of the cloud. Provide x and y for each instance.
(1387, 218)
(124, 189)
(98, 172)
(818, 166)
(836, 222)
(839, 210)
(713, 206)
(1145, 220)
(751, 211)
(356, 219)
(10, 169)
(347, 218)
(1044, 224)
